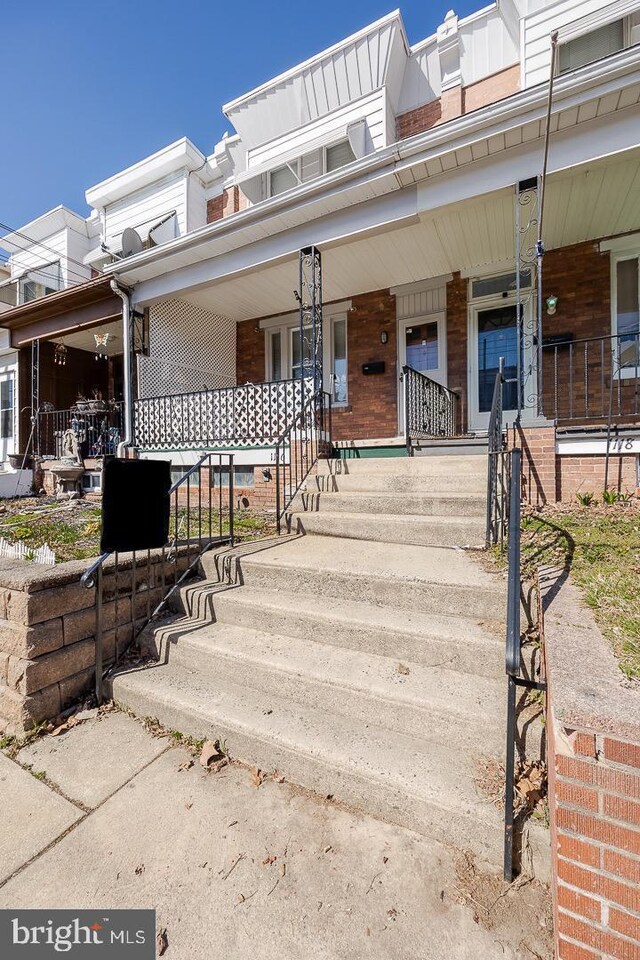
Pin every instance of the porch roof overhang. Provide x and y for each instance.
(470, 159)
(85, 305)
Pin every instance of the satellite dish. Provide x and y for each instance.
(131, 242)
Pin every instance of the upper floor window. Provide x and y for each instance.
(38, 283)
(593, 46)
(309, 166)
(339, 155)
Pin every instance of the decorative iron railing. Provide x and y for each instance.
(497, 469)
(248, 415)
(97, 427)
(201, 510)
(592, 379)
(429, 408)
(298, 449)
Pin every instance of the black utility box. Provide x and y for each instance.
(376, 366)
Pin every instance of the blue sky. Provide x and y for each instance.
(89, 88)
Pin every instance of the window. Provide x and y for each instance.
(92, 482)
(627, 316)
(592, 46)
(283, 178)
(6, 408)
(339, 155)
(243, 476)
(39, 283)
(178, 472)
(339, 362)
(496, 285)
(298, 362)
(275, 341)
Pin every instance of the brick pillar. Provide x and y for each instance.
(539, 474)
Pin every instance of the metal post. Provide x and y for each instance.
(98, 639)
(509, 778)
(35, 395)
(231, 503)
(513, 654)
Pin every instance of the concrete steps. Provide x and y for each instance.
(363, 656)
(428, 531)
(397, 504)
(433, 704)
(393, 775)
(462, 644)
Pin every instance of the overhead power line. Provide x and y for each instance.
(44, 246)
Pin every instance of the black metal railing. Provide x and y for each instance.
(592, 379)
(247, 415)
(513, 653)
(497, 469)
(306, 439)
(429, 408)
(132, 589)
(97, 428)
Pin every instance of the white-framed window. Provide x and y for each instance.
(7, 407)
(38, 283)
(338, 155)
(625, 313)
(284, 356)
(595, 45)
(310, 166)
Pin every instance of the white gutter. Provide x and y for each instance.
(523, 107)
(125, 444)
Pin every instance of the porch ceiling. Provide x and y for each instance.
(85, 339)
(591, 201)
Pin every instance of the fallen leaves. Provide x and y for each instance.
(162, 941)
(257, 776)
(403, 669)
(212, 757)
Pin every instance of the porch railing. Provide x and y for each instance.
(134, 588)
(429, 408)
(98, 431)
(594, 378)
(247, 415)
(299, 447)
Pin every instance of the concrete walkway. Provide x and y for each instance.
(238, 866)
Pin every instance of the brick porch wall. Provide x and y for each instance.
(372, 410)
(457, 345)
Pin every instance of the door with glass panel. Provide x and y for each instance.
(423, 347)
(493, 335)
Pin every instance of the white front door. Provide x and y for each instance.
(422, 345)
(493, 335)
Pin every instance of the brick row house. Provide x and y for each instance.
(416, 172)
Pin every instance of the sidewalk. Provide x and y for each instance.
(239, 866)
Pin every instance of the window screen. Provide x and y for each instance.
(339, 155)
(592, 46)
(282, 179)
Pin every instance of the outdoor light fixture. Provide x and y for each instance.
(552, 303)
(101, 339)
(384, 337)
(266, 474)
(60, 355)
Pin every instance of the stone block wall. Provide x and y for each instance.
(47, 631)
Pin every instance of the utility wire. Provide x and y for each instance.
(57, 254)
(39, 243)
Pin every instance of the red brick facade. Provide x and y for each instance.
(459, 100)
(457, 345)
(230, 201)
(594, 785)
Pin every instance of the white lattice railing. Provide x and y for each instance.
(235, 416)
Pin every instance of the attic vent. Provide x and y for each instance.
(592, 46)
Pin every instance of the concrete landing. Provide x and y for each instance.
(237, 870)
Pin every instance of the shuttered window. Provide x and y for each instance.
(282, 179)
(591, 47)
(339, 155)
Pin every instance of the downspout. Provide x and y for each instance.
(126, 443)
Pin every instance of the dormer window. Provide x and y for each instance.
(38, 283)
(338, 155)
(284, 178)
(593, 46)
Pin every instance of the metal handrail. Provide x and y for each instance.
(310, 426)
(429, 408)
(194, 545)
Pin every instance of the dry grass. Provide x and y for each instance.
(600, 545)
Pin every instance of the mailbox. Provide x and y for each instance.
(376, 366)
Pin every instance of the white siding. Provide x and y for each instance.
(371, 109)
(145, 207)
(422, 82)
(196, 203)
(487, 46)
(421, 303)
(77, 248)
(321, 87)
(538, 27)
